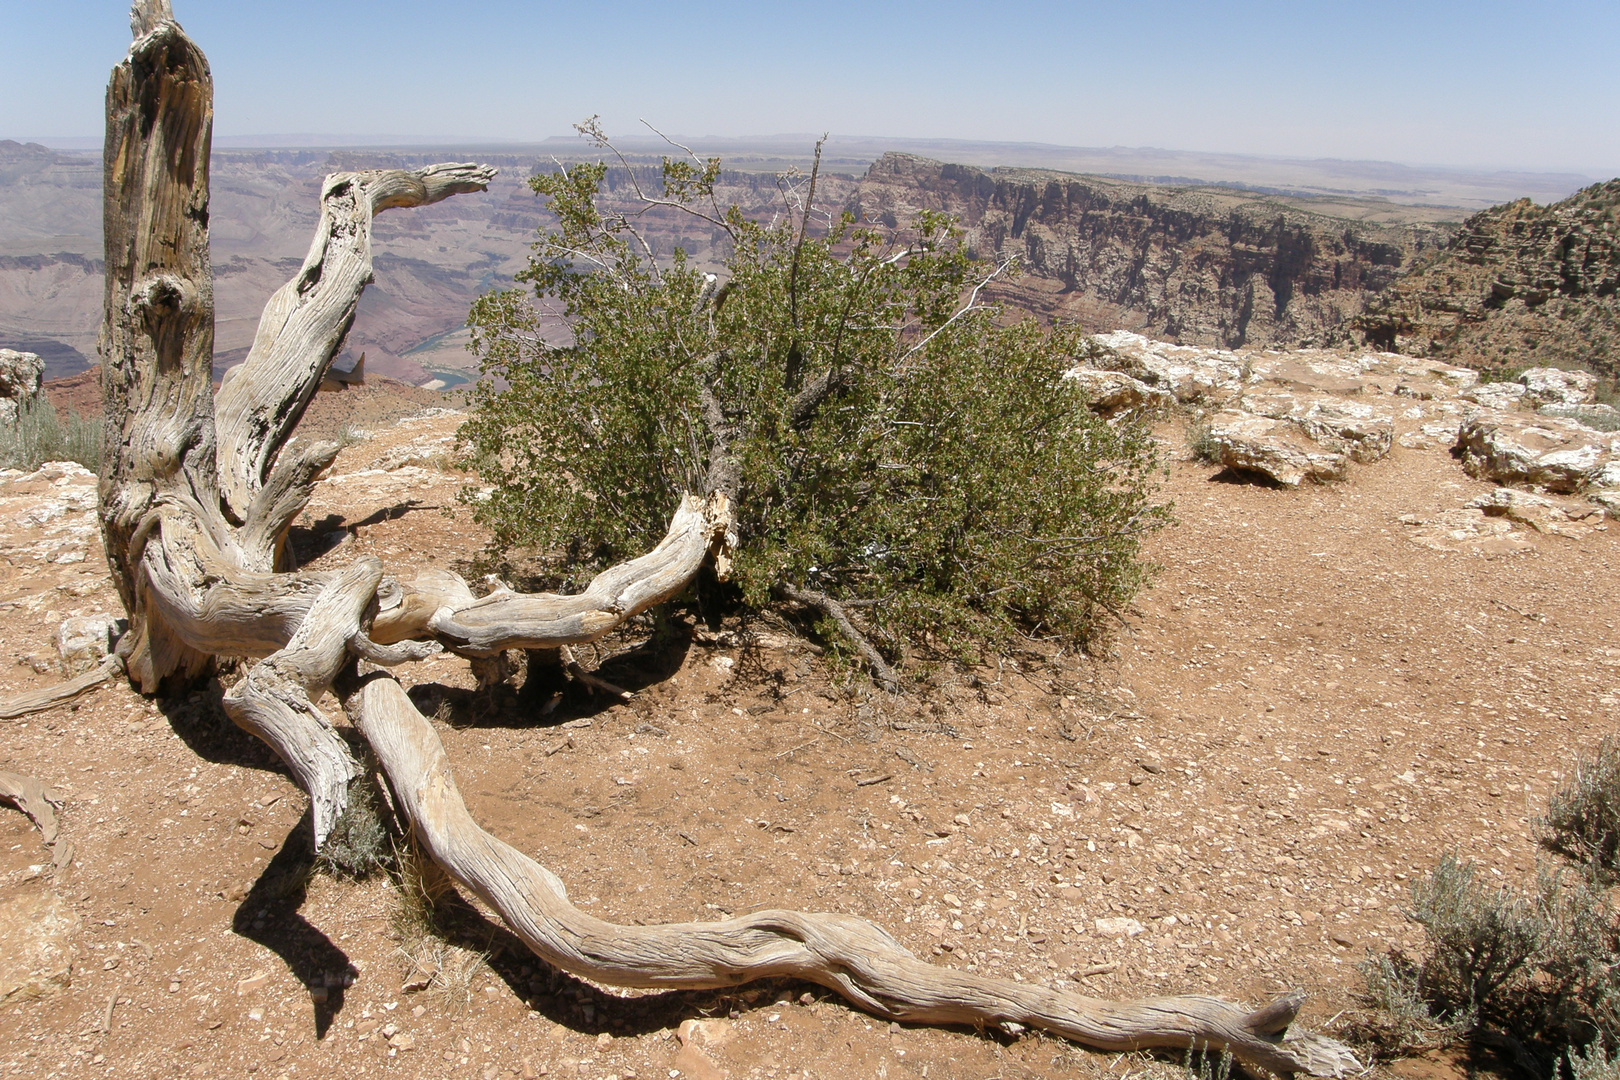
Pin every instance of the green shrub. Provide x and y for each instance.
(951, 484)
(1583, 816)
(39, 435)
(1480, 938)
(1201, 444)
(1592, 1064)
(1397, 1020)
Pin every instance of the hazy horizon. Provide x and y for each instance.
(795, 140)
(1477, 87)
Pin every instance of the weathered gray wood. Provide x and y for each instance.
(157, 337)
(49, 698)
(34, 799)
(510, 620)
(832, 609)
(276, 699)
(303, 327)
(846, 954)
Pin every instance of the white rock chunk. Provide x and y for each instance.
(83, 641)
(1554, 386)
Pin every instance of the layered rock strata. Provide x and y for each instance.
(1200, 265)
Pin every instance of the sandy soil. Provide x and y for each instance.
(1306, 710)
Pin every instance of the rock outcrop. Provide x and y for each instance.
(1276, 448)
(20, 374)
(38, 943)
(1310, 414)
(1201, 265)
(1553, 453)
(1519, 284)
(1291, 416)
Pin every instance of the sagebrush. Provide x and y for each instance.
(1529, 971)
(1583, 815)
(899, 448)
(40, 434)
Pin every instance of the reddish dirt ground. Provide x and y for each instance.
(1306, 710)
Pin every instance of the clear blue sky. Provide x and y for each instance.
(1485, 84)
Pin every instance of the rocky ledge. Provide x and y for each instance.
(1309, 415)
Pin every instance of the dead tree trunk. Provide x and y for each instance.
(196, 501)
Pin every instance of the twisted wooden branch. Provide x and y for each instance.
(850, 955)
(510, 620)
(305, 322)
(34, 701)
(276, 700)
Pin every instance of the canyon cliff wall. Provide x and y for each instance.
(1202, 265)
(1520, 286)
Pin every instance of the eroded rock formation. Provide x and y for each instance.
(1520, 284)
(1210, 266)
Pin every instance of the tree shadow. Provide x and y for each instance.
(310, 542)
(199, 719)
(269, 916)
(547, 697)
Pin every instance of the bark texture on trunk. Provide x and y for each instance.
(157, 336)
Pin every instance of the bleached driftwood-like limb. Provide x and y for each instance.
(49, 698)
(281, 499)
(303, 327)
(511, 620)
(34, 799)
(849, 955)
(276, 700)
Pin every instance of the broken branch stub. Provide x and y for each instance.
(303, 327)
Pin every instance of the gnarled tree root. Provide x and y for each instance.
(849, 955)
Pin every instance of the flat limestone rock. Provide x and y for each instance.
(83, 641)
(1467, 529)
(1539, 512)
(1111, 392)
(1356, 428)
(1276, 448)
(1554, 386)
(1191, 374)
(38, 931)
(1496, 395)
(1550, 452)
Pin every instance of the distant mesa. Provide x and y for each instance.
(1237, 252)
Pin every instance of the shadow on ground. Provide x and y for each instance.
(269, 915)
